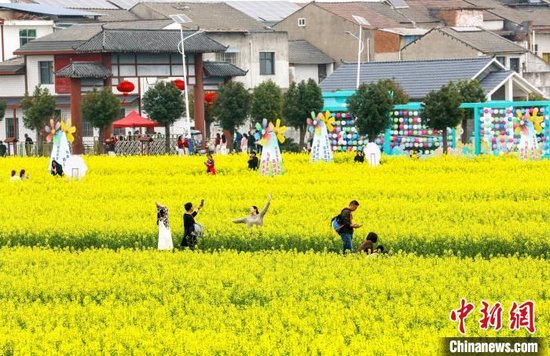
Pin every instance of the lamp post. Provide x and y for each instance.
(361, 21)
(182, 19)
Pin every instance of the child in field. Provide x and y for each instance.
(210, 169)
(368, 245)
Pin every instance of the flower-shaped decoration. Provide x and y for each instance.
(68, 129)
(52, 129)
(279, 130)
(313, 123)
(328, 120)
(524, 121)
(263, 132)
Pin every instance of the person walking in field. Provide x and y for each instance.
(190, 227)
(256, 217)
(165, 235)
(344, 226)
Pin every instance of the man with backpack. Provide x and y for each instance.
(344, 226)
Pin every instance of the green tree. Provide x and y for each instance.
(37, 110)
(372, 104)
(536, 97)
(299, 101)
(398, 94)
(100, 108)
(164, 104)
(232, 106)
(267, 102)
(3, 105)
(442, 110)
(471, 92)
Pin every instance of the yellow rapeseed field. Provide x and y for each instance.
(262, 303)
(484, 206)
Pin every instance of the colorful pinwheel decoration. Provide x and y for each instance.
(279, 130)
(68, 129)
(313, 124)
(264, 131)
(328, 120)
(51, 130)
(524, 121)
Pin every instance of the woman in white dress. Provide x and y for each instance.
(165, 235)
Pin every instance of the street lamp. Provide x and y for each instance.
(361, 21)
(183, 19)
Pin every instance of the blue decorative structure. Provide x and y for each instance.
(495, 126)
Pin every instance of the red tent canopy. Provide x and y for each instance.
(134, 120)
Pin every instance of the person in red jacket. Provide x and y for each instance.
(210, 169)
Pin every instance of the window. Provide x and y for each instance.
(26, 36)
(267, 63)
(514, 64)
(46, 72)
(12, 127)
(87, 129)
(322, 70)
(546, 57)
(229, 57)
(502, 60)
(302, 22)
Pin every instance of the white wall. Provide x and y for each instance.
(11, 33)
(543, 42)
(249, 47)
(493, 25)
(12, 85)
(301, 72)
(33, 72)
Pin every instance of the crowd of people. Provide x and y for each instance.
(343, 224)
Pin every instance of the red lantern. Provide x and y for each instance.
(180, 84)
(210, 97)
(125, 87)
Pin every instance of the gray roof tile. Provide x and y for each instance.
(110, 15)
(417, 78)
(50, 10)
(266, 11)
(13, 66)
(209, 16)
(222, 69)
(493, 79)
(148, 41)
(484, 41)
(303, 52)
(85, 70)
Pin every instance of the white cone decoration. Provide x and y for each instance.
(75, 167)
(372, 154)
(269, 136)
(320, 126)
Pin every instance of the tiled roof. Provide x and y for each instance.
(148, 41)
(85, 70)
(493, 79)
(13, 66)
(417, 78)
(209, 16)
(50, 10)
(303, 52)
(266, 11)
(109, 15)
(222, 69)
(540, 15)
(78, 4)
(70, 39)
(484, 41)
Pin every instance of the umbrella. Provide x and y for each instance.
(134, 120)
